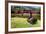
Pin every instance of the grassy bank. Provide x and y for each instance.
(17, 22)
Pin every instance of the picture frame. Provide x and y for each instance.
(8, 5)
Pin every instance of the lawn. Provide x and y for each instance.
(17, 22)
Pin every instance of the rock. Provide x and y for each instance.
(32, 20)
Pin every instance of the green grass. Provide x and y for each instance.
(17, 22)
